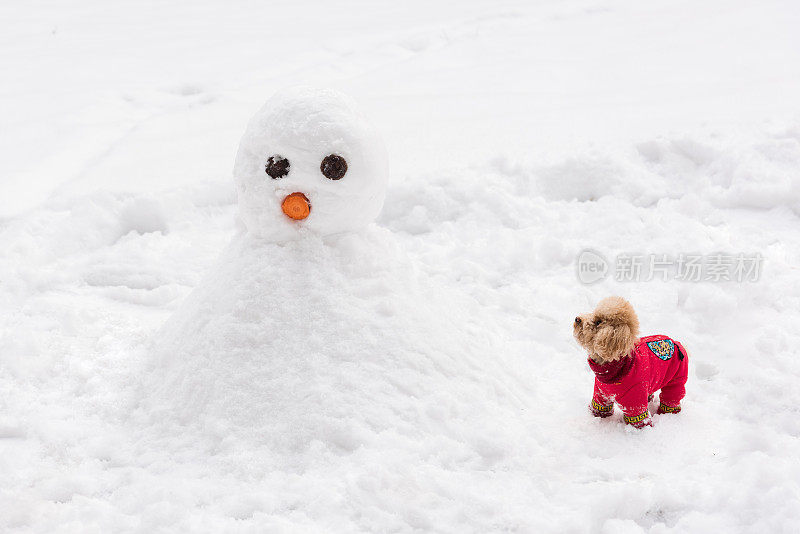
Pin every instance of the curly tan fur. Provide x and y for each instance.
(609, 332)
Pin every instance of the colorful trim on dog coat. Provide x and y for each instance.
(656, 363)
(663, 408)
(637, 419)
(599, 410)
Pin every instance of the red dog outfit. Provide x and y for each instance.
(655, 363)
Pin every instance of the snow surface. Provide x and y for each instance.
(518, 134)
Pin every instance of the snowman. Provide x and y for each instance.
(315, 333)
(309, 163)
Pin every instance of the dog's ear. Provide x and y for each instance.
(612, 342)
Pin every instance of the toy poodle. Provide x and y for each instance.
(629, 369)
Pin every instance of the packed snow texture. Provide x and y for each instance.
(161, 369)
(313, 345)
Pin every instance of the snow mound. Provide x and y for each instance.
(325, 343)
(761, 172)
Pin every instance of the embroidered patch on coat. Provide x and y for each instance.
(663, 348)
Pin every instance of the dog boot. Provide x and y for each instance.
(666, 408)
(600, 410)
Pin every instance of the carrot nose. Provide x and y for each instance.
(296, 206)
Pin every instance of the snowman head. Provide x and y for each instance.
(309, 163)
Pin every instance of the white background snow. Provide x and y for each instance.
(519, 134)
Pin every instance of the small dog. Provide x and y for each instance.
(629, 369)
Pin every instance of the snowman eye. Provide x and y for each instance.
(277, 167)
(333, 167)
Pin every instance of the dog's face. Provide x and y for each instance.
(609, 332)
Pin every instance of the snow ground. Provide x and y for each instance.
(519, 133)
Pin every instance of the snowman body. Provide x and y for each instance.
(309, 341)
